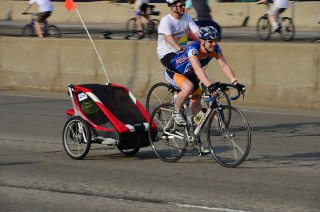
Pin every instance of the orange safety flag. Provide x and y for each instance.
(70, 5)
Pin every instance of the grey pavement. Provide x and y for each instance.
(281, 173)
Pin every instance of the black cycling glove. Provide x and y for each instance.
(214, 88)
(241, 88)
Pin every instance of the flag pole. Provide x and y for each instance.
(70, 5)
(105, 72)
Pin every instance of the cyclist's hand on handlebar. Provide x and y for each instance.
(214, 89)
(241, 88)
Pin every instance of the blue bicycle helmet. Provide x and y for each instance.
(208, 33)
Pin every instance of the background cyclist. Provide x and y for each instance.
(140, 11)
(44, 11)
(173, 31)
(185, 69)
(278, 7)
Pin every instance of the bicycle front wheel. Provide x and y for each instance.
(53, 32)
(288, 29)
(159, 93)
(131, 25)
(28, 31)
(264, 28)
(169, 143)
(229, 142)
(76, 138)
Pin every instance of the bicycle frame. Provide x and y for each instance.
(227, 132)
(213, 108)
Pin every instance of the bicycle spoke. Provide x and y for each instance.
(231, 146)
(169, 143)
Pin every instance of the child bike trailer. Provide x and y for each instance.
(105, 114)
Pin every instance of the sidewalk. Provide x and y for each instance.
(77, 30)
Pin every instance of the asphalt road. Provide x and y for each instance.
(281, 173)
(77, 30)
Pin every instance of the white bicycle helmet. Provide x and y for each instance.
(172, 2)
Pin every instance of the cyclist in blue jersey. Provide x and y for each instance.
(185, 70)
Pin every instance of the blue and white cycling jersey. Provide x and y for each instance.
(182, 63)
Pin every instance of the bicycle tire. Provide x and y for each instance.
(28, 31)
(288, 29)
(52, 31)
(166, 145)
(159, 93)
(229, 144)
(317, 40)
(131, 25)
(135, 35)
(129, 152)
(263, 28)
(76, 138)
(152, 29)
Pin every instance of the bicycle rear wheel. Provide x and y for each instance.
(169, 144)
(264, 28)
(159, 93)
(153, 28)
(229, 143)
(288, 29)
(52, 31)
(28, 31)
(76, 138)
(129, 152)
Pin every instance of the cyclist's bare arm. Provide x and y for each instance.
(262, 1)
(27, 9)
(172, 42)
(200, 72)
(226, 68)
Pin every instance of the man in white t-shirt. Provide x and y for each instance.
(44, 11)
(173, 31)
(279, 6)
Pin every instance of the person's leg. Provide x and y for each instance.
(273, 13)
(167, 59)
(186, 89)
(38, 29)
(40, 19)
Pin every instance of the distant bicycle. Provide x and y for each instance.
(286, 30)
(150, 28)
(49, 30)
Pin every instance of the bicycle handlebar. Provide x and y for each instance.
(29, 14)
(223, 87)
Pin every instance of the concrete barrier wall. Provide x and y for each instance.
(283, 75)
(306, 14)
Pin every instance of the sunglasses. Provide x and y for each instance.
(213, 41)
(181, 6)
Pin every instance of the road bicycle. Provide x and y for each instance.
(49, 30)
(264, 27)
(164, 93)
(150, 28)
(229, 141)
